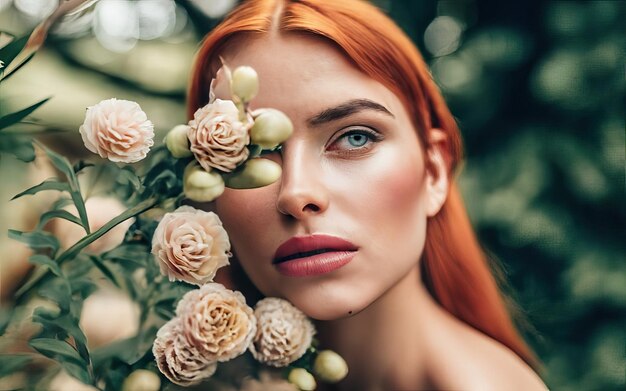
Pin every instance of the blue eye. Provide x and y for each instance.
(357, 139)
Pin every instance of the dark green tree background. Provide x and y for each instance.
(538, 90)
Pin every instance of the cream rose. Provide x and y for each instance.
(190, 245)
(283, 334)
(178, 360)
(217, 321)
(218, 138)
(117, 130)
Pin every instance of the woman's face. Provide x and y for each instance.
(353, 169)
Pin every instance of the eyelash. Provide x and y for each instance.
(371, 135)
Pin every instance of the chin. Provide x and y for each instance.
(329, 304)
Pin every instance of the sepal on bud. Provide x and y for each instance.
(201, 185)
(177, 141)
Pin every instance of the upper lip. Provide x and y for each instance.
(302, 246)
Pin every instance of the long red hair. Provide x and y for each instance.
(454, 267)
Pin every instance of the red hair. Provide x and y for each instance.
(454, 267)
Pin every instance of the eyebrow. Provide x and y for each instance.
(346, 109)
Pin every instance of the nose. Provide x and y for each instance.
(302, 191)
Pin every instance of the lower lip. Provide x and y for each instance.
(315, 264)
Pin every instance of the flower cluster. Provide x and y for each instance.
(213, 324)
(220, 147)
(225, 139)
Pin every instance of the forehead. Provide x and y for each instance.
(301, 73)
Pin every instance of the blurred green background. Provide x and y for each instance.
(538, 90)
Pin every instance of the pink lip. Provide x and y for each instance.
(313, 255)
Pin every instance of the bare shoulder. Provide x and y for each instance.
(470, 360)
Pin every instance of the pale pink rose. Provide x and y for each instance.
(190, 245)
(117, 130)
(217, 321)
(109, 316)
(218, 138)
(284, 333)
(178, 360)
(100, 210)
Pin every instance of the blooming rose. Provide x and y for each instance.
(217, 321)
(100, 210)
(217, 137)
(283, 334)
(190, 245)
(178, 360)
(117, 130)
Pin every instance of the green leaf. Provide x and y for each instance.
(83, 287)
(107, 271)
(66, 322)
(77, 371)
(61, 214)
(81, 165)
(19, 146)
(116, 349)
(59, 291)
(56, 349)
(129, 256)
(82, 211)
(44, 260)
(10, 363)
(36, 239)
(164, 312)
(126, 176)
(63, 165)
(11, 50)
(73, 251)
(13, 118)
(84, 242)
(48, 184)
(24, 62)
(60, 162)
(5, 318)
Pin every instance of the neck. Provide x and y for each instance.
(387, 344)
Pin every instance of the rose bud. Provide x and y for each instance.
(177, 141)
(271, 127)
(302, 379)
(330, 366)
(142, 380)
(256, 172)
(201, 185)
(244, 83)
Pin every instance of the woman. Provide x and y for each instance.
(365, 230)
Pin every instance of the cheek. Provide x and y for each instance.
(393, 190)
(247, 216)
